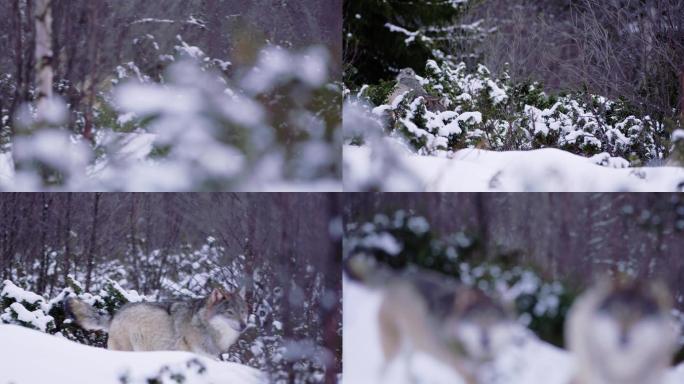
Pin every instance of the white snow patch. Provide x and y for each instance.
(10, 290)
(6, 166)
(36, 318)
(528, 361)
(32, 357)
(545, 169)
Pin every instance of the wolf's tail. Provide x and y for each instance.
(86, 315)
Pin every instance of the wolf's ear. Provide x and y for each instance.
(215, 296)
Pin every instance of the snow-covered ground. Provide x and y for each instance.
(32, 357)
(481, 170)
(6, 166)
(530, 361)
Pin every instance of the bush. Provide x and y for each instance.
(484, 111)
(28, 309)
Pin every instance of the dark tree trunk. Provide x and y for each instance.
(93, 59)
(19, 61)
(331, 315)
(92, 249)
(43, 268)
(133, 256)
(681, 95)
(66, 268)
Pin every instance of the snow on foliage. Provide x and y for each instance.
(24, 308)
(187, 273)
(204, 124)
(477, 109)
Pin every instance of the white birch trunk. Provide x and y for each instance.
(44, 56)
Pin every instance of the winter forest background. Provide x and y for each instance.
(284, 248)
(172, 96)
(603, 80)
(543, 248)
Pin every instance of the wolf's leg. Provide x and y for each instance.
(418, 329)
(408, 359)
(115, 344)
(390, 337)
(112, 345)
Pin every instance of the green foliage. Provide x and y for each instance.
(373, 51)
(106, 117)
(378, 93)
(113, 296)
(24, 308)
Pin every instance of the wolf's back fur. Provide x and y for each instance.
(142, 327)
(207, 326)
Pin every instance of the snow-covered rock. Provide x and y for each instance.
(32, 357)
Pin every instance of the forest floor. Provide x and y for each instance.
(529, 361)
(30, 356)
(481, 170)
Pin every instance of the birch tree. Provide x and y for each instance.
(44, 56)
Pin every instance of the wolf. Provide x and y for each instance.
(408, 84)
(423, 311)
(206, 326)
(622, 333)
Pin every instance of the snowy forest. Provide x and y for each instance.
(513, 95)
(133, 95)
(538, 252)
(110, 249)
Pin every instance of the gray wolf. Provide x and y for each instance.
(428, 312)
(409, 85)
(621, 333)
(207, 326)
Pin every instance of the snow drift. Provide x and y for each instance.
(531, 361)
(481, 170)
(32, 357)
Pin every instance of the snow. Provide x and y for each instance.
(527, 361)
(475, 116)
(125, 118)
(411, 35)
(277, 66)
(136, 146)
(6, 166)
(545, 169)
(383, 241)
(152, 20)
(189, 50)
(36, 318)
(10, 290)
(32, 357)
(148, 99)
(677, 135)
(52, 110)
(497, 94)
